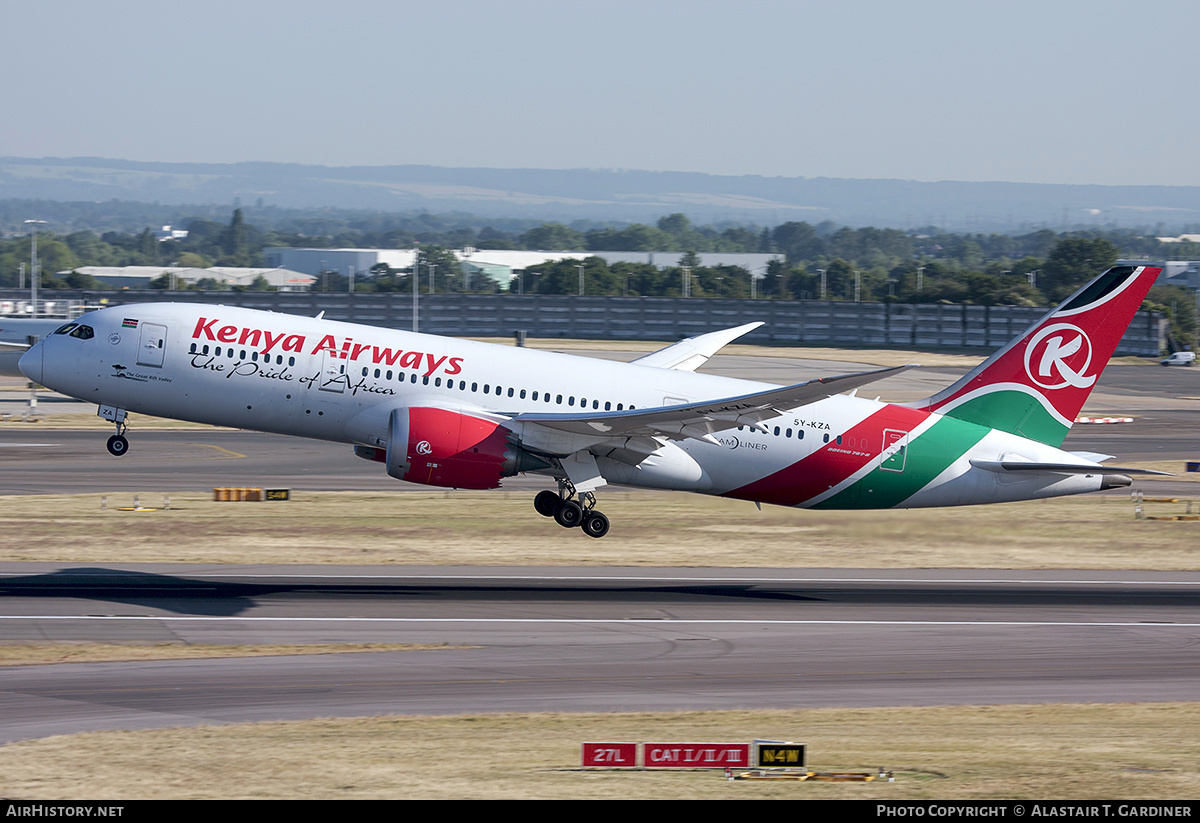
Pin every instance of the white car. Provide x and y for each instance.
(1180, 358)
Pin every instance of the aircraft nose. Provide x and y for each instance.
(30, 363)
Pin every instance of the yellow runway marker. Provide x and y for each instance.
(225, 454)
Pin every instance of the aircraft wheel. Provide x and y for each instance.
(595, 524)
(569, 514)
(118, 445)
(546, 503)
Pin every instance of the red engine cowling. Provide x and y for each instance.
(440, 447)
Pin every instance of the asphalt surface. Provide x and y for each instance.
(575, 639)
(589, 640)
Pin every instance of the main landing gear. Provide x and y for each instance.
(570, 513)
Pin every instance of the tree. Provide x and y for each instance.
(553, 236)
(1072, 262)
(1179, 305)
(447, 272)
(235, 241)
(799, 241)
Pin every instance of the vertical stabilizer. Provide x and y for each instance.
(1037, 384)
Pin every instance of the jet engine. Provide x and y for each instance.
(442, 447)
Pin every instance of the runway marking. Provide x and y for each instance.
(488, 678)
(228, 454)
(615, 621)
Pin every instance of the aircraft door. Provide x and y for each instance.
(152, 343)
(333, 373)
(891, 438)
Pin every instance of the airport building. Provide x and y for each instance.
(138, 277)
(498, 265)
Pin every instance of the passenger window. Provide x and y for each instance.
(437, 381)
(776, 431)
(523, 395)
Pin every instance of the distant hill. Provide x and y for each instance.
(596, 194)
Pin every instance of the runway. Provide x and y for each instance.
(537, 640)
(573, 639)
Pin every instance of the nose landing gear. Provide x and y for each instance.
(118, 444)
(571, 513)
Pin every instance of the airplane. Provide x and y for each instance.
(455, 413)
(14, 339)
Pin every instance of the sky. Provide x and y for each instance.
(1053, 91)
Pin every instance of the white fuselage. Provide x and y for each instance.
(337, 381)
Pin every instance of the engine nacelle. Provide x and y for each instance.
(440, 447)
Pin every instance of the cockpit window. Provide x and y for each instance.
(83, 332)
(65, 329)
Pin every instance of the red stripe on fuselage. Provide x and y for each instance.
(833, 462)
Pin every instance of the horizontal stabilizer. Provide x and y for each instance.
(1057, 468)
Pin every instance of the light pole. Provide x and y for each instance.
(822, 273)
(432, 269)
(857, 286)
(580, 267)
(416, 279)
(920, 278)
(33, 265)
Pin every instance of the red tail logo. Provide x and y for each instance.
(1058, 356)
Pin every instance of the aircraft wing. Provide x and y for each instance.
(690, 354)
(701, 420)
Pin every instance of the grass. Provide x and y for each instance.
(650, 529)
(40, 654)
(1088, 752)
